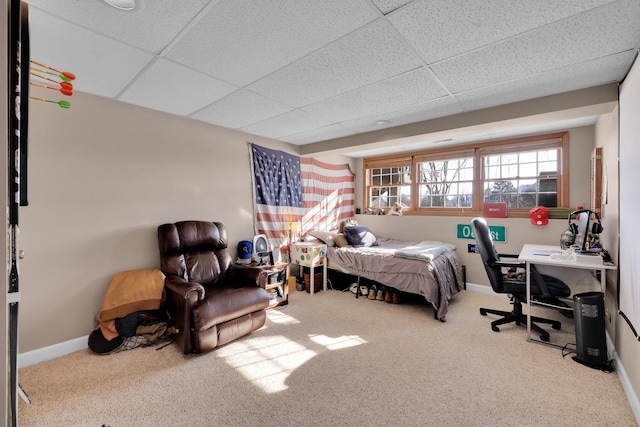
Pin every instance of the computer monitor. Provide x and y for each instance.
(582, 235)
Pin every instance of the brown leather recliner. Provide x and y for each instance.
(210, 300)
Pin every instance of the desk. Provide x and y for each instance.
(307, 254)
(532, 254)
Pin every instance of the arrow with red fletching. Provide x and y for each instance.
(63, 85)
(64, 78)
(67, 74)
(62, 90)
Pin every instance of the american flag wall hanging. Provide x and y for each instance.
(293, 189)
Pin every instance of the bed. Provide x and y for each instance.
(430, 269)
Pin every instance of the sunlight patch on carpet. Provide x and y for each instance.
(266, 361)
(281, 318)
(337, 343)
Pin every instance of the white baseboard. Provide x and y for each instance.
(624, 380)
(53, 351)
(482, 289)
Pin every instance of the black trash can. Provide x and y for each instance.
(317, 279)
(591, 341)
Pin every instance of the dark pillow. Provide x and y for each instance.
(359, 235)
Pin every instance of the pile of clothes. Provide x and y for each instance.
(131, 315)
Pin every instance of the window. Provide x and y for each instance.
(522, 179)
(390, 185)
(388, 181)
(523, 173)
(446, 183)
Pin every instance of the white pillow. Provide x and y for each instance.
(325, 236)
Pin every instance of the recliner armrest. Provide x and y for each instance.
(181, 297)
(247, 276)
(179, 286)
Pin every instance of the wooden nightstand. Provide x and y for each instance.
(274, 281)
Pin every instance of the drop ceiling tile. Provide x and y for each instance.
(611, 29)
(245, 40)
(102, 65)
(319, 134)
(440, 29)
(426, 111)
(239, 109)
(151, 26)
(373, 53)
(410, 88)
(173, 88)
(339, 54)
(576, 76)
(289, 123)
(387, 6)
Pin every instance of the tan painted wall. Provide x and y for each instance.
(103, 175)
(625, 342)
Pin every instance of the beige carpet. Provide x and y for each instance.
(330, 359)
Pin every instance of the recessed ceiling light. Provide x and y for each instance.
(381, 122)
(122, 4)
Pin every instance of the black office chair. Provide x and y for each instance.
(543, 287)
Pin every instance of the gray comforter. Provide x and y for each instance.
(437, 280)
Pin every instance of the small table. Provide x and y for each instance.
(275, 279)
(307, 254)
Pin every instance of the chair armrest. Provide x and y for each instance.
(508, 255)
(181, 297)
(509, 264)
(539, 280)
(510, 261)
(241, 276)
(536, 277)
(182, 289)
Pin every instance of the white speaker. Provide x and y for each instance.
(260, 249)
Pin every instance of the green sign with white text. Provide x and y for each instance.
(498, 232)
